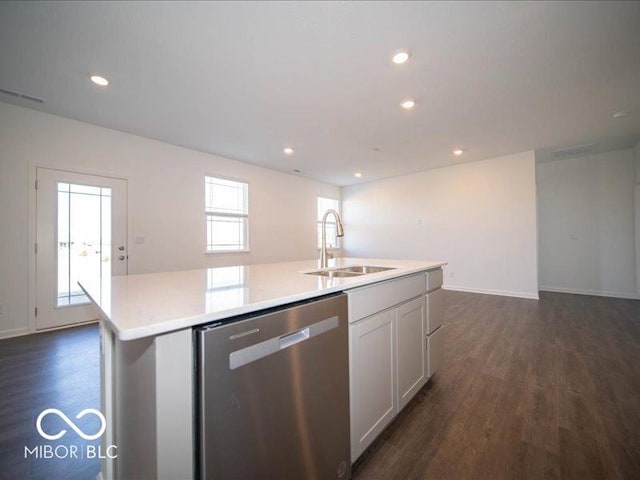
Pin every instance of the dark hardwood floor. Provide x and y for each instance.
(57, 369)
(529, 389)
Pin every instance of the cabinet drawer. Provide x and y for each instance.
(374, 298)
(434, 279)
(435, 310)
(435, 351)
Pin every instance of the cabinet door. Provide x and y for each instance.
(410, 349)
(372, 367)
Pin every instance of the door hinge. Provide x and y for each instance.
(36, 311)
(36, 184)
(35, 248)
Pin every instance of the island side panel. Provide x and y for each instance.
(134, 408)
(151, 389)
(174, 404)
(107, 340)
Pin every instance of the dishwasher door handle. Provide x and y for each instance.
(268, 347)
(293, 338)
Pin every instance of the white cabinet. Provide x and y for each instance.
(371, 299)
(435, 310)
(435, 349)
(434, 302)
(371, 373)
(411, 355)
(434, 279)
(387, 368)
(395, 345)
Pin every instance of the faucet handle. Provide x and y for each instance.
(330, 253)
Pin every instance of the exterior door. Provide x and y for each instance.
(80, 236)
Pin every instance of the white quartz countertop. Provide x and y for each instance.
(137, 306)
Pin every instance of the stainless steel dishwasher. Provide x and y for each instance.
(273, 395)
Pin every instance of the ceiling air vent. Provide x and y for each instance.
(571, 152)
(31, 98)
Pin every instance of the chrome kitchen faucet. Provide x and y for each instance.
(339, 233)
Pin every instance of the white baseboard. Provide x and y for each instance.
(16, 332)
(596, 293)
(502, 293)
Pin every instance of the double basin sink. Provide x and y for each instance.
(353, 271)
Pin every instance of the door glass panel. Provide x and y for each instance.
(83, 239)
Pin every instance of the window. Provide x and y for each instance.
(325, 204)
(83, 238)
(227, 213)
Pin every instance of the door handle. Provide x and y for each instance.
(121, 248)
(121, 257)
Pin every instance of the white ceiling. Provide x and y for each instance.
(245, 79)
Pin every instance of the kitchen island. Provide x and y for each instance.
(147, 344)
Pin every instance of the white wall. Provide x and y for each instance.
(587, 225)
(165, 202)
(480, 217)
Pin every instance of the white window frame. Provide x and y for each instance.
(218, 213)
(330, 221)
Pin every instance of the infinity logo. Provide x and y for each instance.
(44, 413)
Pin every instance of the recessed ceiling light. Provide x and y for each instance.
(357, 174)
(288, 150)
(375, 149)
(458, 151)
(401, 56)
(408, 104)
(98, 80)
(618, 115)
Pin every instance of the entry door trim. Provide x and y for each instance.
(31, 262)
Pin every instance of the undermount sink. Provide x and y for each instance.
(354, 271)
(364, 269)
(333, 273)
